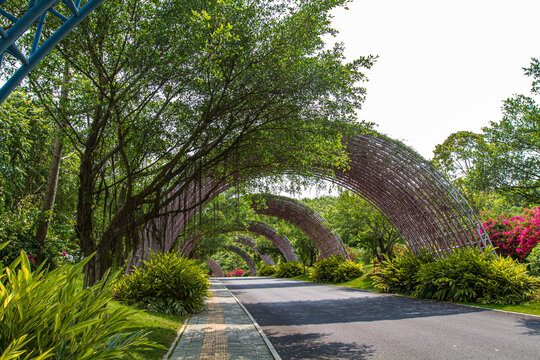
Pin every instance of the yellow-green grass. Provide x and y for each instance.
(162, 329)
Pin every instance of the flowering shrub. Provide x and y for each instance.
(358, 255)
(237, 272)
(515, 236)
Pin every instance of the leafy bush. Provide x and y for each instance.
(17, 229)
(289, 269)
(267, 270)
(47, 314)
(324, 269)
(397, 275)
(534, 261)
(515, 236)
(348, 270)
(166, 283)
(465, 275)
(474, 275)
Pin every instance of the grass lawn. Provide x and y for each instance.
(366, 283)
(163, 329)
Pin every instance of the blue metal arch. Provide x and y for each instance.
(36, 13)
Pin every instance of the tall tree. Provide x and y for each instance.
(167, 92)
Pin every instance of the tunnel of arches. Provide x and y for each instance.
(416, 199)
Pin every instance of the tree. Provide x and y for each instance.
(358, 223)
(166, 93)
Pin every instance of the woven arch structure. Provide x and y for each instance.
(244, 240)
(244, 255)
(216, 268)
(424, 206)
(306, 219)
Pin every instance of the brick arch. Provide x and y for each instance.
(244, 240)
(306, 219)
(216, 268)
(418, 200)
(244, 255)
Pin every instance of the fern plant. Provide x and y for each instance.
(166, 283)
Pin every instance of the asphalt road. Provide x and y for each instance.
(310, 321)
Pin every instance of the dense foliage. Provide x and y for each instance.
(515, 236)
(467, 275)
(191, 90)
(289, 269)
(47, 315)
(398, 275)
(17, 226)
(334, 269)
(267, 270)
(166, 283)
(534, 261)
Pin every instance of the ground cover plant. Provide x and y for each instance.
(289, 269)
(466, 275)
(46, 315)
(166, 283)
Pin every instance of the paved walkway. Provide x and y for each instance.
(222, 332)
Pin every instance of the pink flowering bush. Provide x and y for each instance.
(237, 272)
(515, 236)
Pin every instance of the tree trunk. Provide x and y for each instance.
(52, 182)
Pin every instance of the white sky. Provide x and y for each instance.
(443, 66)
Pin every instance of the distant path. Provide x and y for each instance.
(309, 321)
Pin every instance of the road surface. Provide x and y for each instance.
(309, 321)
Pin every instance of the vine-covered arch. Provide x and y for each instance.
(215, 267)
(244, 255)
(244, 240)
(306, 219)
(424, 206)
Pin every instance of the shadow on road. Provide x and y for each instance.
(531, 325)
(353, 309)
(312, 346)
(248, 283)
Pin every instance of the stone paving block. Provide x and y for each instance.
(222, 332)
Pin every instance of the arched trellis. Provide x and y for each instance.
(244, 255)
(244, 240)
(424, 206)
(216, 268)
(306, 219)
(257, 227)
(71, 15)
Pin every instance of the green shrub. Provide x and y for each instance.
(348, 270)
(324, 269)
(334, 269)
(534, 261)
(473, 275)
(267, 270)
(166, 283)
(397, 275)
(289, 269)
(47, 315)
